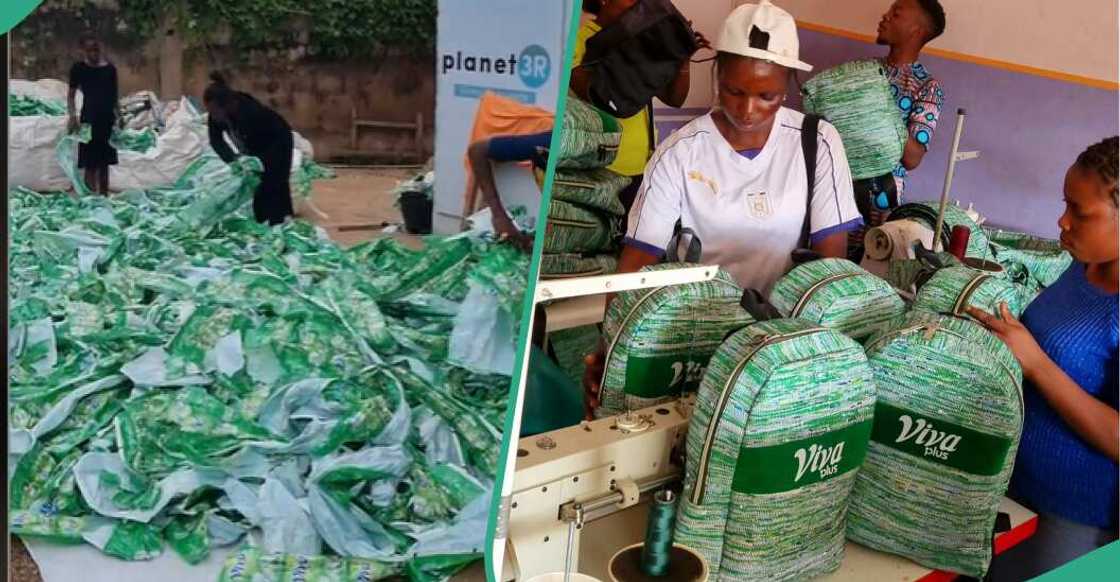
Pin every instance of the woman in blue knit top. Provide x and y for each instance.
(1066, 469)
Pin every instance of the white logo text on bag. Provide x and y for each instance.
(937, 443)
(823, 460)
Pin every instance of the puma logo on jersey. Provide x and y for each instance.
(710, 183)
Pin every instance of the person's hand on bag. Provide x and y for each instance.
(592, 377)
(1017, 337)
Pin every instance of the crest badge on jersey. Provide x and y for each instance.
(758, 204)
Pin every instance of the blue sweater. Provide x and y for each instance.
(1056, 471)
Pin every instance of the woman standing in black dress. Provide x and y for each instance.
(259, 132)
(96, 78)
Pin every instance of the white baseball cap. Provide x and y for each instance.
(762, 31)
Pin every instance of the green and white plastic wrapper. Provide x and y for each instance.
(953, 290)
(659, 340)
(1032, 263)
(838, 294)
(855, 97)
(589, 138)
(774, 445)
(947, 426)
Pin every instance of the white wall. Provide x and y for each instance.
(1066, 37)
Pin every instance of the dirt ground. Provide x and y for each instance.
(355, 197)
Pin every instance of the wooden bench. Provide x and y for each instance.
(416, 127)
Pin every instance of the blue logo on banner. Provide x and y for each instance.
(534, 66)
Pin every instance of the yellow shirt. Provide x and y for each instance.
(634, 149)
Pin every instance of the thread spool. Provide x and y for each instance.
(958, 241)
(659, 534)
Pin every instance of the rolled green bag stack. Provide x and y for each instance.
(855, 97)
(774, 445)
(947, 425)
(926, 212)
(659, 340)
(838, 294)
(569, 265)
(590, 138)
(585, 215)
(951, 291)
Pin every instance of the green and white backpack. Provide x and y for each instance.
(589, 138)
(659, 340)
(592, 189)
(775, 442)
(572, 228)
(947, 425)
(838, 294)
(569, 265)
(855, 97)
(954, 289)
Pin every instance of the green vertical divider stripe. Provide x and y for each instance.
(531, 287)
(12, 12)
(1100, 564)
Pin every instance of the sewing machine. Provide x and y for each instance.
(574, 497)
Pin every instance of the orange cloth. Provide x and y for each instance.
(499, 115)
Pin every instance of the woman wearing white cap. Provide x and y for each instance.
(737, 176)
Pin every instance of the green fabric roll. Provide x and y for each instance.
(573, 228)
(952, 290)
(589, 138)
(838, 294)
(947, 425)
(659, 340)
(774, 445)
(855, 97)
(566, 265)
(596, 189)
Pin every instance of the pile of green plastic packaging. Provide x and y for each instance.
(183, 376)
(25, 105)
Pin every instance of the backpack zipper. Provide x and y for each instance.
(969, 289)
(725, 395)
(796, 312)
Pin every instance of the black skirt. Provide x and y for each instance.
(97, 153)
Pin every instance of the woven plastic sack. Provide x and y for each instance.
(947, 425)
(926, 212)
(774, 445)
(1034, 263)
(596, 189)
(855, 97)
(659, 340)
(572, 228)
(568, 265)
(953, 290)
(838, 294)
(590, 137)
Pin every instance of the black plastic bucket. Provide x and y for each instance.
(416, 208)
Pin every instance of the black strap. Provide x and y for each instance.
(672, 253)
(649, 127)
(809, 149)
(757, 305)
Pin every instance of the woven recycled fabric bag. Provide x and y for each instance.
(595, 189)
(855, 97)
(947, 424)
(778, 434)
(569, 265)
(952, 290)
(926, 212)
(838, 294)
(572, 228)
(659, 340)
(1033, 262)
(589, 138)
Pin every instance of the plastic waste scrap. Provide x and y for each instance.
(134, 140)
(26, 105)
(182, 376)
(420, 183)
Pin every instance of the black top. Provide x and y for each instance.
(99, 90)
(256, 128)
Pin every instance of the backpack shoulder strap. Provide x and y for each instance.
(809, 148)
